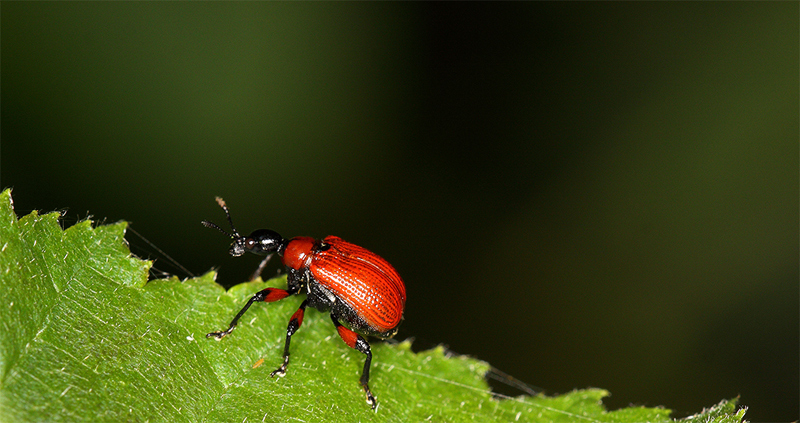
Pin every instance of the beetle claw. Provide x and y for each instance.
(281, 371)
(371, 400)
(218, 335)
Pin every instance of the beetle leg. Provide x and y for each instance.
(358, 343)
(294, 324)
(267, 295)
(261, 267)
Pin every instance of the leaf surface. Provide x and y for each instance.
(85, 337)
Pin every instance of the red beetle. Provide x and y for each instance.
(356, 285)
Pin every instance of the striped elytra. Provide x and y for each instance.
(362, 279)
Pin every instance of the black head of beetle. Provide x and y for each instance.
(261, 242)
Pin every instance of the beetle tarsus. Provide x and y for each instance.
(281, 371)
(370, 398)
(221, 334)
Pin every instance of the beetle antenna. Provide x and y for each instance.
(224, 206)
(208, 224)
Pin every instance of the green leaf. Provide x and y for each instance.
(85, 337)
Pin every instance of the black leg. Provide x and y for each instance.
(261, 267)
(358, 343)
(294, 324)
(267, 295)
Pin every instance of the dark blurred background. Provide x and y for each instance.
(600, 194)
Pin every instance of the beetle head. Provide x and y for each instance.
(261, 242)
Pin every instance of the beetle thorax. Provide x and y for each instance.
(298, 252)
